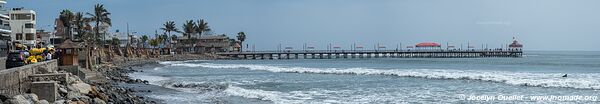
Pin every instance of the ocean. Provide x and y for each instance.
(537, 77)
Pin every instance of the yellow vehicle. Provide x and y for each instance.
(36, 51)
(39, 57)
(31, 59)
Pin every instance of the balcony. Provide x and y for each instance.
(5, 29)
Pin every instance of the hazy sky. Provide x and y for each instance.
(538, 24)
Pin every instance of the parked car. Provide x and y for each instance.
(14, 60)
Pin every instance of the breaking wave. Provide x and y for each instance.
(275, 96)
(214, 89)
(579, 81)
(195, 87)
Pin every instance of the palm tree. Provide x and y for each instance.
(80, 22)
(201, 27)
(169, 27)
(165, 39)
(100, 15)
(154, 43)
(241, 37)
(189, 28)
(115, 41)
(66, 17)
(162, 39)
(144, 39)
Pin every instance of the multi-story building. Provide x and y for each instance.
(60, 32)
(4, 29)
(216, 43)
(44, 37)
(22, 24)
(103, 30)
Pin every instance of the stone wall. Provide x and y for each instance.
(14, 81)
(2, 63)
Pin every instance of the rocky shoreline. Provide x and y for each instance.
(107, 87)
(119, 75)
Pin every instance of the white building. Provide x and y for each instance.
(4, 29)
(22, 24)
(4, 20)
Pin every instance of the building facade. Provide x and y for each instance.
(59, 34)
(22, 24)
(5, 30)
(216, 43)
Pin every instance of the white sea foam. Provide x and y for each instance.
(205, 91)
(275, 96)
(318, 96)
(149, 78)
(178, 62)
(579, 81)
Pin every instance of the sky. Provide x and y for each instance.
(564, 25)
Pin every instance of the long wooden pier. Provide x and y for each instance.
(330, 54)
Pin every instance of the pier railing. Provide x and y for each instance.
(366, 51)
(416, 53)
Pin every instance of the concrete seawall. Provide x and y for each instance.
(2, 63)
(14, 81)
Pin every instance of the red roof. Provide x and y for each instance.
(428, 44)
(515, 44)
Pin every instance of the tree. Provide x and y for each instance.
(201, 27)
(165, 39)
(154, 42)
(66, 17)
(241, 37)
(189, 28)
(80, 22)
(173, 37)
(100, 15)
(169, 27)
(115, 41)
(144, 39)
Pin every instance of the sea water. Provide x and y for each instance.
(537, 77)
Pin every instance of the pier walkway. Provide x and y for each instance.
(330, 54)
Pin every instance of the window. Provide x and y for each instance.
(19, 36)
(29, 36)
(29, 25)
(68, 51)
(22, 16)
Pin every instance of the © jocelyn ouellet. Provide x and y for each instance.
(298, 52)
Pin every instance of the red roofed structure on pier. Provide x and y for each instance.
(428, 45)
(515, 44)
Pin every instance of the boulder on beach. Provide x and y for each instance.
(73, 95)
(32, 98)
(83, 88)
(59, 102)
(24, 99)
(98, 101)
(44, 102)
(18, 99)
